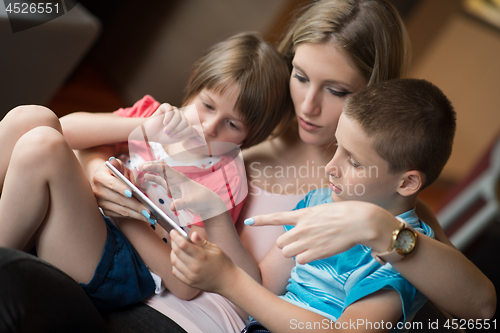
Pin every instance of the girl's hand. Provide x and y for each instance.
(200, 264)
(113, 196)
(187, 193)
(175, 122)
(325, 230)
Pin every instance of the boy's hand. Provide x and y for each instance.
(201, 264)
(326, 230)
(187, 193)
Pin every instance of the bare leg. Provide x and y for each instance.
(16, 123)
(47, 195)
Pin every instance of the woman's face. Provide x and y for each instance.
(322, 78)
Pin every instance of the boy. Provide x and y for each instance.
(393, 140)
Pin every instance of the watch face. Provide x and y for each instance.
(405, 241)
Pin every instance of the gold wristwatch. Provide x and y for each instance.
(403, 243)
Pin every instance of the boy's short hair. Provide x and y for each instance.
(411, 122)
(260, 73)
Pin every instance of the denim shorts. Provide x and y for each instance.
(121, 277)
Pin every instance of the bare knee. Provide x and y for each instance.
(41, 145)
(26, 117)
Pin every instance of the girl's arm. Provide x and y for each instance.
(218, 224)
(155, 253)
(436, 269)
(84, 130)
(203, 265)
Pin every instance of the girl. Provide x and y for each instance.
(231, 87)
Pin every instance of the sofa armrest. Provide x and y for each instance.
(37, 297)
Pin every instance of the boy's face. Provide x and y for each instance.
(357, 172)
(217, 113)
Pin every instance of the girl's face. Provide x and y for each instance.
(218, 116)
(322, 78)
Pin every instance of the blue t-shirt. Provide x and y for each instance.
(328, 286)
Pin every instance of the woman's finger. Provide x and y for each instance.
(280, 218)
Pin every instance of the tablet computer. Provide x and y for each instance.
(163, 219)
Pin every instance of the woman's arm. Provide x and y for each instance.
(440, 262)
(426, 214)
(436, 269)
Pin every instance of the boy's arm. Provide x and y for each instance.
(220, 230)
(203, 265)
(275, 270)
(325, 230)
(278, 315)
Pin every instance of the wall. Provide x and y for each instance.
(157, 60)
(462, 57)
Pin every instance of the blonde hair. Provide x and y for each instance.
(261, 75)
(371, 32)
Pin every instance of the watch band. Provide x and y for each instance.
(392, 255)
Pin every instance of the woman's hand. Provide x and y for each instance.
(113, 196)
(187, 193)
(325, 230)
(200, 264)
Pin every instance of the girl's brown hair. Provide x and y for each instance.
(261, 75)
